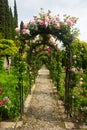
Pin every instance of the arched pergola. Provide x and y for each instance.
(44, 24)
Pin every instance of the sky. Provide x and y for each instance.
(77, 8)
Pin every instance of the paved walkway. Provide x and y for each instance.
(45, 111)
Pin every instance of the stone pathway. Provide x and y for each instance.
(46, 111)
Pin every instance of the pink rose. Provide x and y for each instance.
(25, 31)
(32, 22)
(58, 26)
(35, 17)
(41, 22)
(57, 18)
(0, 89)
(54, 21)
(25, 25)
(46, 24)
(69, 22)
(49, 49)
(47, 19)
(73, 69)
(1, 103)
(17, 29)
(26, 41)
(6, 100)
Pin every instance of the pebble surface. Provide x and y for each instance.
(45, 111)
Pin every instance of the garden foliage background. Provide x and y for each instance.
(20, 60)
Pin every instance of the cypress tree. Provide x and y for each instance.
(11, 24)
(15, 15)
(7, 20)
(2, 18)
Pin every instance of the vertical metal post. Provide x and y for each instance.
(21, 100)
(21, 83)
(67, 79)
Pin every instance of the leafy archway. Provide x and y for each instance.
(61, 29)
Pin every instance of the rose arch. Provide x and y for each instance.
(62, 29)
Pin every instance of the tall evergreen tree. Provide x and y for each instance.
(2, 18)
(11, 24)
(15, 15)
(7, 20)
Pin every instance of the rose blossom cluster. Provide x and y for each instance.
(25, 29)
(46, 20)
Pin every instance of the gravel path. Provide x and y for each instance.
(45, 112)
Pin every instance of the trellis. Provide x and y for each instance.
(61, 30)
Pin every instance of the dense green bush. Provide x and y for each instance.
(7, 47)
(9, 85)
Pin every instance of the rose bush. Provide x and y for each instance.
(4, 102)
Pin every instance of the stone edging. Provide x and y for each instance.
(28, 99)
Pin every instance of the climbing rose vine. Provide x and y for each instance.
(45, 23)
